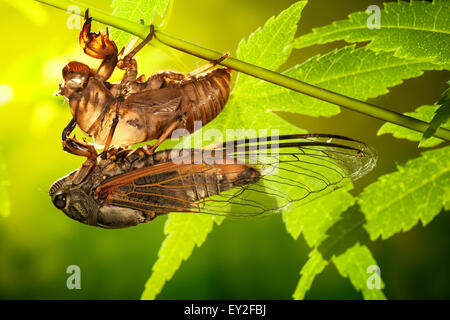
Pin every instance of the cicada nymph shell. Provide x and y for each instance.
(137, 109)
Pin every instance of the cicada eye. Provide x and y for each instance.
(60, 201)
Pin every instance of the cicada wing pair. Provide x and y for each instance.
(241, 178)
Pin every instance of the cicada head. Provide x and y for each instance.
(72, 199)
(75, 78)
(78, 202)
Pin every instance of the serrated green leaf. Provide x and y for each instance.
(135, 10)
(268, 46)
(313, 267)
(313, 219)
(184, 232)
(180, 242)
(357, 73)
(353, 264)
(345, 233)
(343, 246)
(424, 113)
(416, 30)
(441, 116)
(253, 92)
(416, 192)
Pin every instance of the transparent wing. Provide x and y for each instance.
(250, 177)
(294, 169)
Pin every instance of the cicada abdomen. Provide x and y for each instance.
(205, 95)
(168, 188)
(168, 101)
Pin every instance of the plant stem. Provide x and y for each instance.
(255, 71)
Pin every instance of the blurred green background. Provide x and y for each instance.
(253, 259)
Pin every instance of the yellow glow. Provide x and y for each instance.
(42, 116)
(6, 94)
(52, 68)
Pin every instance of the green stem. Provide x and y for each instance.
(255, 71)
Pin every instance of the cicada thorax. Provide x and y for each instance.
(89, 107)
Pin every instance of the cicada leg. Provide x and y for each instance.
(98, 45)
(80, 148)
(129, 64)
(212, 64)
(73, 146)
(111, 132)
(138, 48)
(68, 130)
(163, 136)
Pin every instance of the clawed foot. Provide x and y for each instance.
(79, 148)
(212, 64)
(149, 150)
(96, 45)
(218, 61)
(128, 62)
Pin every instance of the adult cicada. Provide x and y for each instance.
(137, 109)
(247, 177)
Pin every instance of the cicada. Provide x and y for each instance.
(238, 178)
(137, 109)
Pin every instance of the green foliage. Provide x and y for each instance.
(342, 245)
(313, 267)
(349, 71)
(266, 47)
(135, 10)
(313, 219)
(416, 191)
(424, 113)
(184, 232)
(416, 30)
(353, 264)
(441, 116)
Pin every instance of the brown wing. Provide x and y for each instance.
(165, 100)
(170, 187)
(253, 177)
